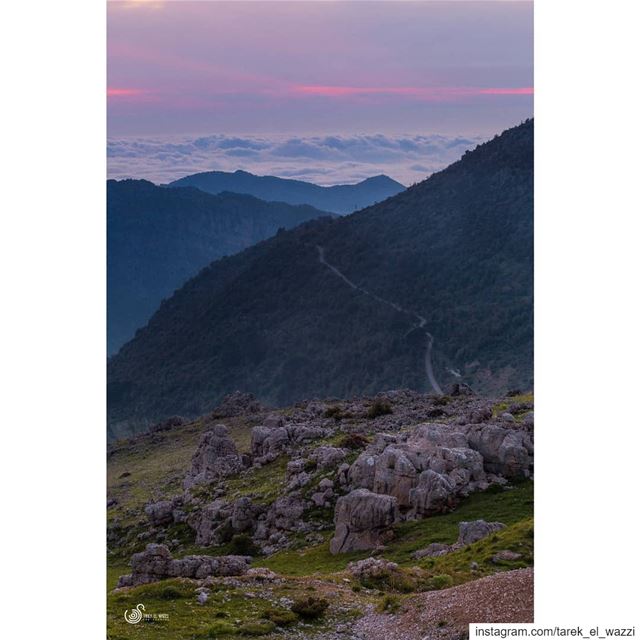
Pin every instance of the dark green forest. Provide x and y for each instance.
(158, 238)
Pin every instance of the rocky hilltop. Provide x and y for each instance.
(327, 516)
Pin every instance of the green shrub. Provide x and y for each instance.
(218, 629)
(310, 607)
(397, 580)
(258, 628)
(353, 441)
(334, 412)
(310, 465)
(170, 593)
(440, 582)
(242, 545)
(389, 604)
(167, 590)
(379, 408)
(281, 617)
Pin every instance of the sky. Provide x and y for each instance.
(325, 91)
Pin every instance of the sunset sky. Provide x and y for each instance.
(263, 70)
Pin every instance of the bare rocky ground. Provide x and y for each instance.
(328, 519)
(446, 614)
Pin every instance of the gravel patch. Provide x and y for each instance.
(446, 614)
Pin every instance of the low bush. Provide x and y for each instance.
(170, 593)
(353, 441)
(379, 408)
(219, 629)
(281, 617)
(310, 465)
(242, 545)
(334, 412)
(440, 582)
(389, 604)
(440, 401)
(167, 590)
(393, 581)
(310, 607)
(258, 628)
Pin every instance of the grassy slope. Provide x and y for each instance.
(512, 507)
(156, 465)
(313, 569)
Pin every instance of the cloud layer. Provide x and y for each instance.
(323, 160)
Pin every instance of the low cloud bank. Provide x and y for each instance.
(323, 160)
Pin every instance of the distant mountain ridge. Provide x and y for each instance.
(158, 238)
(439, 274)
(340, 199)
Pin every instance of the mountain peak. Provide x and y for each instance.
(343, 198)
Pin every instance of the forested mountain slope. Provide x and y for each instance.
(447, 262)
(158, 238)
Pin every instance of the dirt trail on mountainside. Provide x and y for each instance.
(446, 614)
(421, 322)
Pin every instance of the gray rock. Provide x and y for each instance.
(325, 484)
(215, 458)
(209, 523)
(236, 404)
(155, 563)
(434, 493)
(294, 468)
(363, 520)
(470, 532)
(327, 457)
(506, 556)
(505, 451)
(393, 466)
(243, 517)
(274, 421)
(371, 568)
(285, 514)
(433, 550)
(160, 513)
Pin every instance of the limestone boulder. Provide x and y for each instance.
(285, 514)
(470, 532)
(243, 516)
(434, 493)
(363, 520)
(210, 523)
(327, 457)
(505, 451)
(155, 563)
(216, 457)
(160, 513)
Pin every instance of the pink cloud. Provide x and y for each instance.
(118, 92)
(520, 91)
(430, 94)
